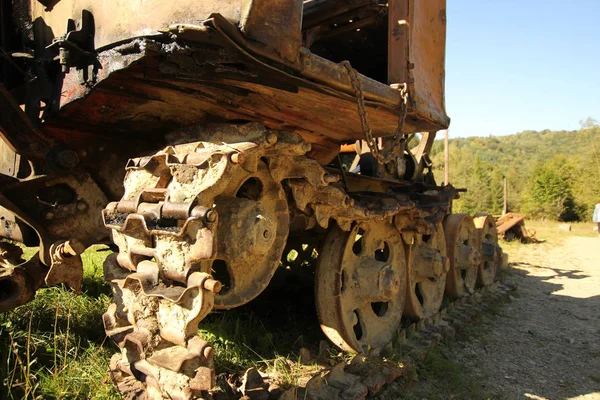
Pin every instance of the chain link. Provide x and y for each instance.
(399, 135)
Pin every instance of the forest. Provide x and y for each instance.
(552, 175)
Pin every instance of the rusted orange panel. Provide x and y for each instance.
(416, 53)
(427, 51)
(397, 41)
(122, 19)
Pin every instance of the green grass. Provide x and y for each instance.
(55, 347)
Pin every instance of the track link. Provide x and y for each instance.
(160, 293)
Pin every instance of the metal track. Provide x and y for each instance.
(166, 228)
(204, 225)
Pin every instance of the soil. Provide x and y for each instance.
(545, 342)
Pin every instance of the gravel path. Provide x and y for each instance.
(546, 342)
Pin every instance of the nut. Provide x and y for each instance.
(271, 138)
(211, 216)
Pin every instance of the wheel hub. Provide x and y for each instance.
(389, 282)
(246, 227)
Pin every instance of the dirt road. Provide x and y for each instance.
(545, 342)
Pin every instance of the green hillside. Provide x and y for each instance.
(551, 174)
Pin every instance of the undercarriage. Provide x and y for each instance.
(229, 141)
(204, 225)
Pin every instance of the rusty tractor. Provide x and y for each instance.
(208, 139)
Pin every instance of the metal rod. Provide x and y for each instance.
(446, 159)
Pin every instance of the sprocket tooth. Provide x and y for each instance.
(116, 328)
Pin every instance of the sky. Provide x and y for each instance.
(521, 65)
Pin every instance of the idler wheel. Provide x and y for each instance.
(463, 247)
(428, 265)
(252, 232)
(491, 253)
(361, 285)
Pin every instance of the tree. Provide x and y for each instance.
(549, 195)
(589, 123)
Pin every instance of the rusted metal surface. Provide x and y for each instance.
(276, 24)
(10, 161)
(320, 75)
(464, 254)
(11, 227)
(20, 136)
(427, 53)
(122, 19)
(168, 214)
(427, 269)
(19, 279)
(399, 29)
(192, 184)
(360, 286)
(59, 207)
(491, 253)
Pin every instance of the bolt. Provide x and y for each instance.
(271, 138)
(49, 215)
(81, 206)
(267, 234)
(213, 285)
(237, 158)
(68, 158)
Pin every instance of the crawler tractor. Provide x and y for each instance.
(207, 140)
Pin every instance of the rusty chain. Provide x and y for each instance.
(399, 135)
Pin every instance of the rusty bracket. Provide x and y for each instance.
(67, 266)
